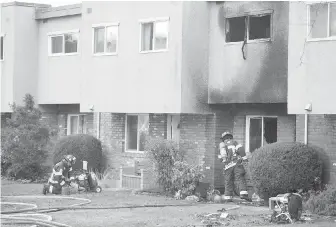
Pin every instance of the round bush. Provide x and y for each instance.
(281, 167)
(83, 147)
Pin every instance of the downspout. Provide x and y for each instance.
(308, 109)
(98, 125)
(306, 129)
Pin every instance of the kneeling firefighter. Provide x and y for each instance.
(62, 172)
(233, 154)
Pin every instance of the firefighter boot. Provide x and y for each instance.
(45, 189)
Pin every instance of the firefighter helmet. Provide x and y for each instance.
(226, 134)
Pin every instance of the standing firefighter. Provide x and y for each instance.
(233, 155)
(62, 172)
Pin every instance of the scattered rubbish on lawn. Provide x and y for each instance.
(224, 215)
(256, 198)
(230, 208)
(217, 199)
(208, 215)
(178, 195)
(192, 198)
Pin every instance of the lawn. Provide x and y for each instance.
(163, 216)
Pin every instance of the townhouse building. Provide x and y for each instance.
(311, 66)
(187, 71)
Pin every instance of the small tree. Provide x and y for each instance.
(24, 141)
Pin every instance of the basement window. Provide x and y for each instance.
(137, 128)
(252, 27)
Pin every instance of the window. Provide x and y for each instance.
(260, 131)
(253, 27)
(173, 127)
(105, 39)
(137, 127)
(154, 35)
(76, 124)
(1, 47)
(322, 20)
(63, 43)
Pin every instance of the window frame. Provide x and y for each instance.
(3, 46)
(78, 123)
(63, 33)
(138, 136)
(328, 38)
(153, 20)
(247, 129)
(105, 25)
(251, 14)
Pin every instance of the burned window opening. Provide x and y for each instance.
(253, 27)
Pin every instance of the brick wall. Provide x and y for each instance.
(286, 128)
(158, 125)
(62, 120)
(199, 137)
(112, 135)
(4, 117)
(321, 133)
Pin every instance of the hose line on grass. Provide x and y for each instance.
(11, 217)
(14, 219)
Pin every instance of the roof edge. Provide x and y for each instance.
(26, 4)
(60, 11)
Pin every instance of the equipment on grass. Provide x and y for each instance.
(288, 208)
(88, 182)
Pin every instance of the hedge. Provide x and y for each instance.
(83, 147)
(282, 167)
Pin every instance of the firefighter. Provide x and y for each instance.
(233, 155)
(62, 173)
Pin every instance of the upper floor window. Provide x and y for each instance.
(321, 20)
(154, 35)
(105, 39)
(1, 47)
(63, 43)
(253, 27)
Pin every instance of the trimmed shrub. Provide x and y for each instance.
(83, 147)
(24, 142)
(186, 177)
(282, 167)
(163, 154)
(323, 203)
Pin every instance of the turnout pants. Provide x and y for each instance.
(55, 188)
(237, 173)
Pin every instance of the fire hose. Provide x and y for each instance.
(12, 217)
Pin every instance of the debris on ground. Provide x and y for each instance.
(224, 215)
(178, 195)
(216, 219)
(192, 198)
